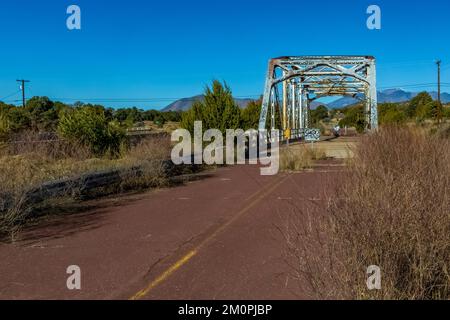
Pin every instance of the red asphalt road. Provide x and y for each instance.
(217, 238)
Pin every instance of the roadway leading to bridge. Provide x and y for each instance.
(218, 238)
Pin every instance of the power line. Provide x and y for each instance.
(407, 86)
(421, 85)
(10, 95)
(169, 99)
(439, 80)
(144, 99)
(405, 64)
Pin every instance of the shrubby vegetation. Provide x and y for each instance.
(217, 111)
(91, 127)
(392, 113)
(250, 115)
(354, 117)
(391, 209)
(26, 166)
(319, 114)
(300, 158)
(47, 141)
(102, 129)
(319, 117)
(99, 128)
(419, 109)
(134, 115)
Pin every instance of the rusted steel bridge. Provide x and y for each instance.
(292, 83)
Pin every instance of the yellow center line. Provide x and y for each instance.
(165, 275)
(177, 265)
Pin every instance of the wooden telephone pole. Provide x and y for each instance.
(439, 115)
(22, 82)
(439, 80)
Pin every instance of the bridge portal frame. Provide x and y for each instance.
(303, 79)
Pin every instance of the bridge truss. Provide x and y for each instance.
(292, 83)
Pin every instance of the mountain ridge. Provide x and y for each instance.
(388, 96)
(385, 96)
(185, 104)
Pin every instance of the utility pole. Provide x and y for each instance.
(439, 91)
(439, 80)
(23, 90)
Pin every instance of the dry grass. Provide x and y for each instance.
(26, 165)
(168, 127)
(21, 173)
(149, 155)
(45, 145)
(297, 158)
(392, 210)
(443, 131)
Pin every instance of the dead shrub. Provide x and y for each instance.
(297, 158)
(47, 145)
(392, 210)
(153, 148)
(27, 165)
(149, 155)
(20, 174)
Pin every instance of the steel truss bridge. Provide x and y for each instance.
(292, 83)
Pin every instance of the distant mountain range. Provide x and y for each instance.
(391, 95)
(186, 103)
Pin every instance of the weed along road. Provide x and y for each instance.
(216, 238)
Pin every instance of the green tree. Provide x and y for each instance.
(446, 112)
(150, 115)
(231, 118)
(217, 111)
(174, 116)
(121, 115)
(159, 120)
(435, 110)
(19, 119)
(5, 107)
(319, 114)
(195, 113)
(5, 127)
(59, 107)
(134, 115)
(90, 127)
(391, 113)
(418, 105)
(250, 115)
(43, 116)
(354, 117)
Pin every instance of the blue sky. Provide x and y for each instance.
(149, 50)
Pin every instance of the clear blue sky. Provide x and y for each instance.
(138, 49)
